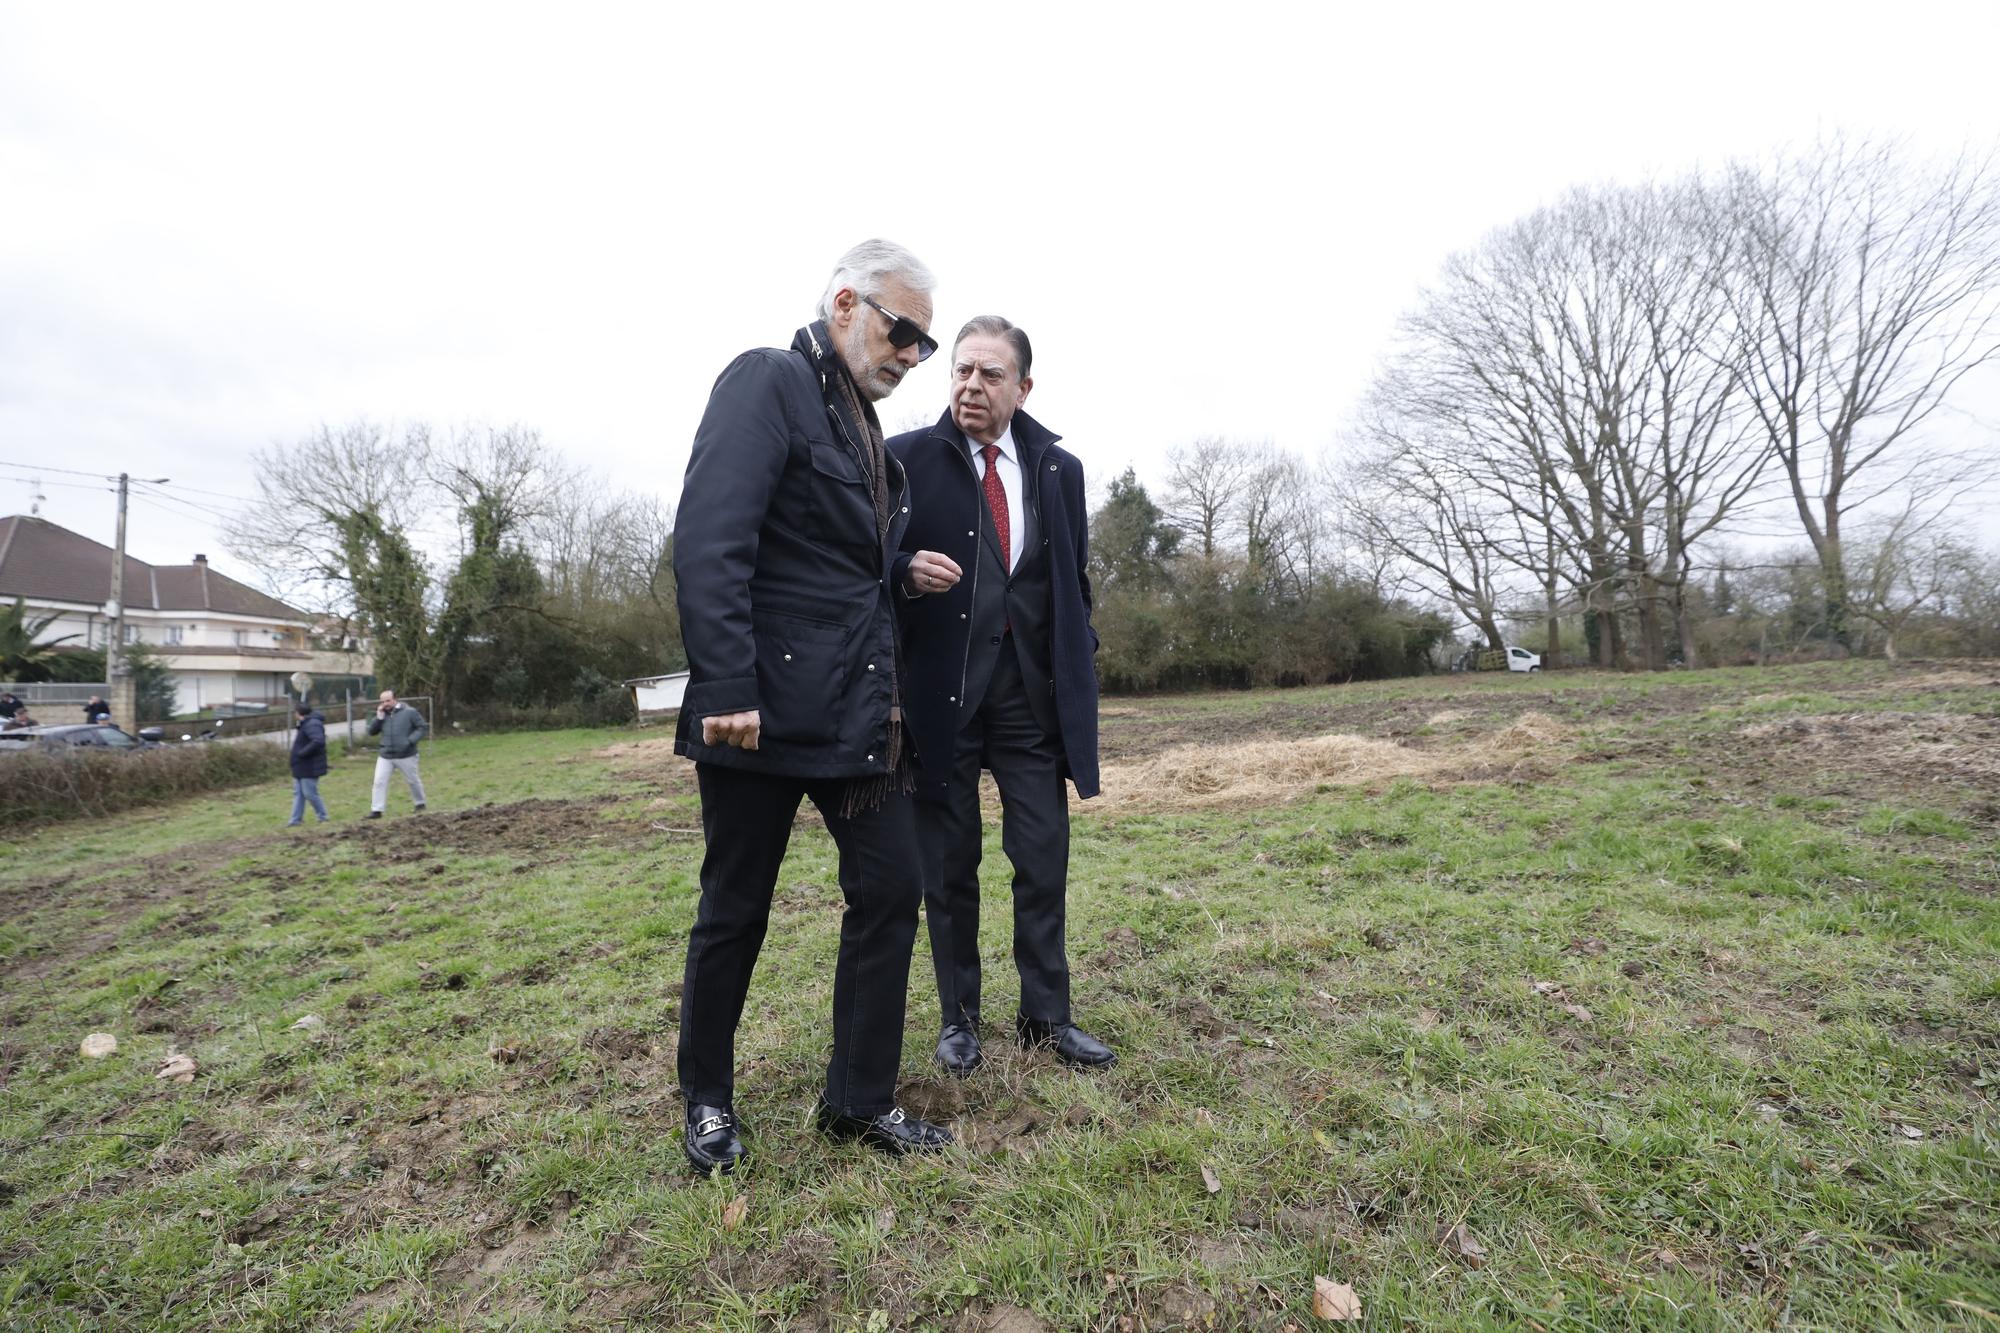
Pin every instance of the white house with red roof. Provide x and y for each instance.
(225, 642)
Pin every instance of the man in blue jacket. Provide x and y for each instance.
(308, 764)
(1000, 678)
(789, 522)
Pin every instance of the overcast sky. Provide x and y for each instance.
(223, 225)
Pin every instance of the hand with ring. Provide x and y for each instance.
(931, 571)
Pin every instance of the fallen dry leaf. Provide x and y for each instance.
(308, 1023)
(98, 1045)
(1909, 1131)
(1335, 1302)
(1578, 1012)
(733, 1212)
(1547, 988)
(1462, 1244)
(1211, 1181)
(180, 1068)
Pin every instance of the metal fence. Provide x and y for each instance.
(55, 693)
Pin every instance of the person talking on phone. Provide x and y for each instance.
(400, 727)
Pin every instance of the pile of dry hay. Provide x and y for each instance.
(1272, 771)
(1928, 745)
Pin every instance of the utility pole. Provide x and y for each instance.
(124, 698)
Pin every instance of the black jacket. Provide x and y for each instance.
(92, 712)
(309, 747)
(784, 586)
(947, 503)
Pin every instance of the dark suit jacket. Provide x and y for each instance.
(947, 508)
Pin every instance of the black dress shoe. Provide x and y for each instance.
(892, 1132)
(1072, 1045)
(958, 1049)
(711, 1139)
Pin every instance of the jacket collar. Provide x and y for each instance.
(814, 342)
(1031, 437)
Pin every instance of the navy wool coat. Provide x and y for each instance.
(946, 504)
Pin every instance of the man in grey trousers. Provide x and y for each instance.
(400, 727)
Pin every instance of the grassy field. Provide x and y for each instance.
(1577, 1003)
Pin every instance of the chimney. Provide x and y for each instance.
(200, 559)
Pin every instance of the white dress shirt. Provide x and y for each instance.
(1008, 461)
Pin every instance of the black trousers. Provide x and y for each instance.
(746, 818)
(1026, 763)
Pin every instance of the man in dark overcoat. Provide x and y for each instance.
(1001, 678)
(789, 525)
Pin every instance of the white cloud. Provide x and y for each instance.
(227, 224)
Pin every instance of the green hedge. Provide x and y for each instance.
(612, 708)
(44, 788)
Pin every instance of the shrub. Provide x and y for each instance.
(48, 786)
(609, 708)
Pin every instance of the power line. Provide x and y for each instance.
(179, 499)
(112, 477)
(68, 471)
(73, 485)
(170, 513)
(238, 499)
(191, 506)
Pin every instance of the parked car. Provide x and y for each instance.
(1509, 658)
(78, 736)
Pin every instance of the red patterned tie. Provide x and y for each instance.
(996, 501)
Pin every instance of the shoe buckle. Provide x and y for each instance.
(709, 1124)
(895, 1116)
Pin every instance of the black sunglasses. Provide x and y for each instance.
(903, 332)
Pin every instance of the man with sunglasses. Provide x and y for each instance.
(1001, 678)
(790, 520)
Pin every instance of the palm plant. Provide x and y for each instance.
(21, 657)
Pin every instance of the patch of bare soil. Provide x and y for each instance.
(650, 759)
(1933, 747)
(999, 1319)
(522, 826)
(1263, 772)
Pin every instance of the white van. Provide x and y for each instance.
(1520, 659)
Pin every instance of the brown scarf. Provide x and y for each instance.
(867, 792)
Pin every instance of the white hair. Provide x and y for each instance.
(870, 264)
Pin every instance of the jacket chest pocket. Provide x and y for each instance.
(843, 510)
(801, 676)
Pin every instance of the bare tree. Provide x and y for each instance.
(296, 532)
(1866, 289)
(1402, 496)
(1903, 566)
(1205, 490)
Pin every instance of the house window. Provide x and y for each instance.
(173, 634)
(242, 638)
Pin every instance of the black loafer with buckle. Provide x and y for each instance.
(893, 1132)
(1072, 1045)
(712, 1142)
